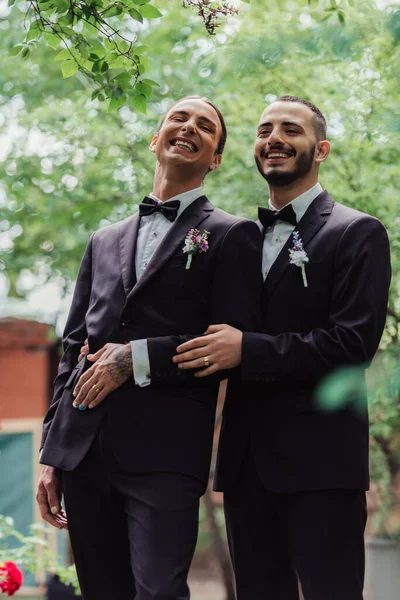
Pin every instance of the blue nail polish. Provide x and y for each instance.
(81, 407)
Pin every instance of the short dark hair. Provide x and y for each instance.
(319, 120)
(224, 135)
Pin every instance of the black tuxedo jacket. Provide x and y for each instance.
(308, 332)
(167, 426)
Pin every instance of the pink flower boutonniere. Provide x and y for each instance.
(298, 256)
(195, 242)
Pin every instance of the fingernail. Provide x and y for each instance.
(91, 405)
(90, 356)
(54, 510)
(75, 404)
(81, 407)
(74, 393)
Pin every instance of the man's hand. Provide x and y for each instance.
(48, 497)
(112, 368)
(84, 350)
(221, 344)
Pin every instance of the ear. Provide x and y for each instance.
(216, 161)
(153, 143)
(322, 151)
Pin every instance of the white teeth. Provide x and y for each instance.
(184, 145)
(277, 155)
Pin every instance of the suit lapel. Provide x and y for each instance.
(314, 218)
(127, 248)
(191, 218)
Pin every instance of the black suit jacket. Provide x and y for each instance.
(308, 332)
(167, 426)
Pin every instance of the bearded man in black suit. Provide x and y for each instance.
(130, 458)
(293, 476)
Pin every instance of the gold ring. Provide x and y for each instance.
(96, 389)
(206, 361)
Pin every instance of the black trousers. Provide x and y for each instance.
(133, 535)
(314, 536)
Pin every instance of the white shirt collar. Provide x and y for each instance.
(302, 202)
(185, 198)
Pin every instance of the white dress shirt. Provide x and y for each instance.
(277, 234)
(152, 231)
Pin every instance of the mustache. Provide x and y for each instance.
(265, 151)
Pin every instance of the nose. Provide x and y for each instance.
(189, 126)
(275, 138)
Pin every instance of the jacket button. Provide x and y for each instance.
(125, 323)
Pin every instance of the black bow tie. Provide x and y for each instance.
(268, 217)
(169, 209)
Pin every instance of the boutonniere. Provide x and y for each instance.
(195, 242)
(298, 256)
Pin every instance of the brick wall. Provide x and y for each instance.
(25, 350)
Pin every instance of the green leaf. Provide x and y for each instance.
(117, 63)
(141, 2)
(35, 30)
(15, 50)
(116, 103)
(144, 61)
(341, 17)
(145, 89)
(97, 49)
(140, 103)
(91, 28)
(47, 6)
(135, 14)
(123, 46)
(122, 78)
(25, 53)
(150, 82)
(52, 40)
(141, 49)
(248, 1)
(114, 10)
(64, 54)
(69, 68)
(150, 12)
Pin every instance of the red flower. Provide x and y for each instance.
(10, 578)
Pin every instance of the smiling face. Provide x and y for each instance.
(287, 150)
(189, 137)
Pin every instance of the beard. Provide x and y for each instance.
(280, 178)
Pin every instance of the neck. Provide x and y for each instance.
(281, 196)
(168, 184)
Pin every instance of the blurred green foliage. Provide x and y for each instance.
(32, 553)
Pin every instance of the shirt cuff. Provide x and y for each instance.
(141, 363)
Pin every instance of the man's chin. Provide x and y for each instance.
(279, 178)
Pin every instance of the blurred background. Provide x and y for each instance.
(69, 166)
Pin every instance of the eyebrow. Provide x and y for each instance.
(285, 123)
(186, 114)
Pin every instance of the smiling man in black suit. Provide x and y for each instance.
(294, 477)
(130, 458)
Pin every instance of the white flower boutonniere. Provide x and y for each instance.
(195, 242)
(298, 256)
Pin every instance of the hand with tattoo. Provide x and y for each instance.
(112, 368)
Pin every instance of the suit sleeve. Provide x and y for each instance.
(357, 316)
(236, 301)
(74, 334)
